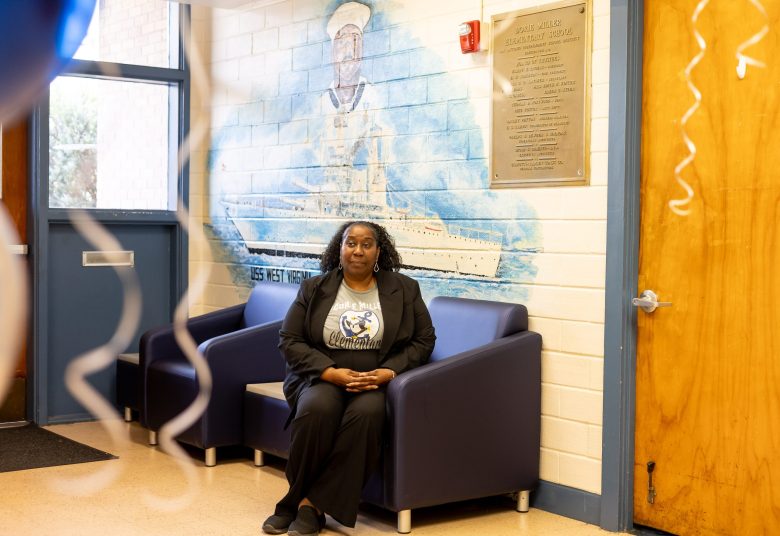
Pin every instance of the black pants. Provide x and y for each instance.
(336, 442)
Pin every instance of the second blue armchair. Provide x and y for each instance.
(240, 345)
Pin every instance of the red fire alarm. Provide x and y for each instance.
(469, 36)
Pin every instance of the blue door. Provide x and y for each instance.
(106, 143)
(86, 299)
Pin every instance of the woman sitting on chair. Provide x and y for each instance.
(349, 332)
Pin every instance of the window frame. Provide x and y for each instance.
(179, 121)
(42, 216)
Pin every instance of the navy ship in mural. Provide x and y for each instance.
(300, 225)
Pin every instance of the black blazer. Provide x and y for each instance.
(408, 337)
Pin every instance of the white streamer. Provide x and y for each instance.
(742, 60)
(676, 204)
(170, 430)
(13, 302)
(99, 358)
(189, 347)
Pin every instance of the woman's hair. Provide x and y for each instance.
(389, 259)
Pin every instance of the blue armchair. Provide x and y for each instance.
(236, 343)
(466, 425)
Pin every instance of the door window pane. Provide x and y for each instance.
(133, 31)
(110, 144)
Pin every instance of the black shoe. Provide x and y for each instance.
(307, 522)
(277, 524)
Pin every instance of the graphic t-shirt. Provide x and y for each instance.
(355, 321)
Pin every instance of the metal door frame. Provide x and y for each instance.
(623, 218)
(40, 215)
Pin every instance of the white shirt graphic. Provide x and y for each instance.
(355, 321)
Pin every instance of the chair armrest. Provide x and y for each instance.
(160, 342)
(249, 355)
(467, 426)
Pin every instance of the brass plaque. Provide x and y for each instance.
(540, 122)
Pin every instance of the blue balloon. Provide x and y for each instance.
(37, 39)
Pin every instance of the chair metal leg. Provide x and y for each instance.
(523, 501)
(152, 437)
(211, 457)
(259, 458)
(128, 414)
(405, 521)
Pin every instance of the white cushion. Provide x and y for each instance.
(271, 389)
(130, 358)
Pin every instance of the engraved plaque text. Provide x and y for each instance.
(540, 114)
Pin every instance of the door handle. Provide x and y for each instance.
(18, 249)
(648, 301)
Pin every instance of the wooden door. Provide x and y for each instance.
(15, 199)
(708, 367)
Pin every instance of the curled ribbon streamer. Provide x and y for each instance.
(189, 347)
(676, 204)
(13, 303)
(99, 358)
(186, 418)
(742, 60)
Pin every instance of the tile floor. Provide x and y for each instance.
(231, 499)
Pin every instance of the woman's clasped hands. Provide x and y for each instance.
(356, 382)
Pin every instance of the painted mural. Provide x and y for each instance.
(366, 123)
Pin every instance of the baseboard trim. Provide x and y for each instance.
(568, 502)
(13, 424)
(70, 418)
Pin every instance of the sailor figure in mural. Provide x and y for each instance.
(352, 139)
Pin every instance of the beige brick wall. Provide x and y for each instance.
(202, 116)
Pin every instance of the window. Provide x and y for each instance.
(115, 115)
(109, 144)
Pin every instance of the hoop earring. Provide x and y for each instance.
(376, 266)
(340, 267)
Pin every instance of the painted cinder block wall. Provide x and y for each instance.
(269, 67)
